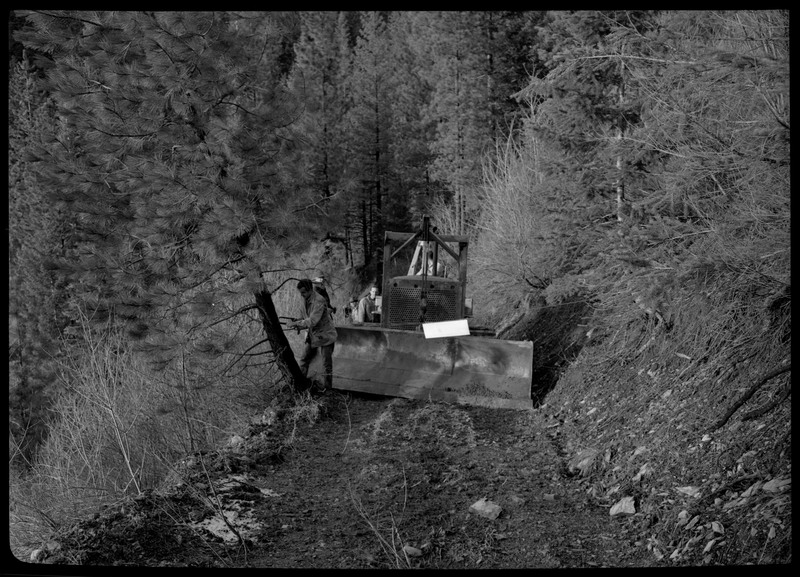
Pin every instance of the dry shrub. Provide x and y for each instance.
(305, 409)
(118, 428)
(510, 249)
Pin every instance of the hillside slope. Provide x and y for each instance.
(614, 468)
(696, 431)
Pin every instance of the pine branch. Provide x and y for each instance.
(232, 315)
(244, 353)
(122, 135)
(75, 18)
(316, 204)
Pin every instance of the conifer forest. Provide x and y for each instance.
(623, 178)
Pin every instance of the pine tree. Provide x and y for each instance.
(510, 59)
(459, 106)
(316, 81)
(370, 131)
(174, 169)
(587, 102)
(36, 294)
(662, 132)
(412, 132)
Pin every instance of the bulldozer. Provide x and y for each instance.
(423, 346)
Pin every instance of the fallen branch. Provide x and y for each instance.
(729, 486)
(787, 436)
(349, 424)
(744, 398)
(766, 408)
(216, 504)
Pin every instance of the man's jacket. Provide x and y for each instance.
(318, 321)
(366, 310)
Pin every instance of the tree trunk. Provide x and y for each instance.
(348, 250)
(620, 185)
(365, 229)
(282, 351)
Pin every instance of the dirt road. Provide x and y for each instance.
(376, 475)
(368, 483)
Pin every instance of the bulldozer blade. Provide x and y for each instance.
(463, 369)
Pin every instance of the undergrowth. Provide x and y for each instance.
(118, 427)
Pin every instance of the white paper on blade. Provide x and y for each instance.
(446, 329)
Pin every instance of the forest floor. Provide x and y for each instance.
(368, 482)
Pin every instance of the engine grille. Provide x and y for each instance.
(403, 302)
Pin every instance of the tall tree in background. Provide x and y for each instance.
(511, 58)
(172, 172)
(668, 130)
(36, 295)
(456, 76)
(585, 100)
(459, 106)
(371, 86)
(412, 130)
(317, 81)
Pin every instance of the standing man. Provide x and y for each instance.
(321, 334)
(368, 307)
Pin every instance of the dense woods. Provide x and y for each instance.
(171, 175)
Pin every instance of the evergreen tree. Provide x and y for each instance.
(510, 59)
(36, 295)
(370, 131)
(585, 100)
(698, 85)
(316, 81)
(459, 106)
(173, 173)
(660, 130)
(412, 132)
